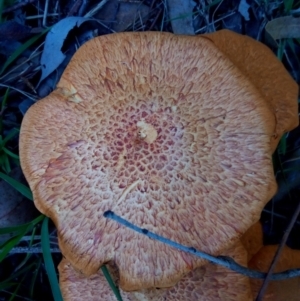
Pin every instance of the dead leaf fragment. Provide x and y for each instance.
(284, 27)
(181, 15)
(243, 9)
(52, 55)
(12, 30)
(128, 12)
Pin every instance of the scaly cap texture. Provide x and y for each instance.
(267, 74)
(163, 130)
(207, 283)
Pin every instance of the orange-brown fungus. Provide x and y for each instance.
(163, 130)
(252, 239)
(267, 74)
(207, 283)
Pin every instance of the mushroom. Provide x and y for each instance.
(75, 286)
(268, 75)
(282, 290)
(165, 131)
(252, 239)
(207, 283)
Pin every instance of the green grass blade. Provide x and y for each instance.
(17, 274)
(4, 101)
(6, 248)
(49, 262)
(24, 190)
(288, 5)
(291, 44)
(3, 104)
(11, 154)
(28, 255)
(34, 277)
(280, 50)
(16, 161)
(1, 9)
(21, 49)
(16, 290)
(111, 283)
(6, 285)
(211, 4)
(6, 166)
(10, 135)
(22, 227)
(282, 145)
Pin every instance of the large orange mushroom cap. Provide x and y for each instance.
(163, 130)
(268, 75)
(207, 283)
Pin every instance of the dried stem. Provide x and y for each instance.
(278, 253)
(220, 260)
(31, 250)
(17, 6)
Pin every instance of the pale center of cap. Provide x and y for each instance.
(146, 132)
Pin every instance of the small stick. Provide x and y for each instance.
(45, 13)
(94, 10)
(18, 5)
(20, 91)
(220, 260)
(278, 253)
(74, 9)
(31, 250)
(155, 19)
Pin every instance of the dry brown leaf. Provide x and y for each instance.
(284, 27)
(12, 30)
(129, 13)
(181, 15)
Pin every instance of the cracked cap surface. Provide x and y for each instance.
(207, 283)
(267, 74)
(201, 178)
